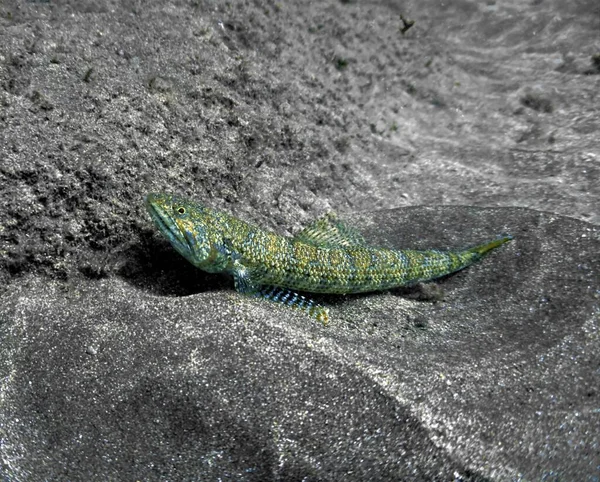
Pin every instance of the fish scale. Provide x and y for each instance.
(325, 257)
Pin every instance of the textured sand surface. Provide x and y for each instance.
(118, 361)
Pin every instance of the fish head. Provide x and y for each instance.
(185, 224)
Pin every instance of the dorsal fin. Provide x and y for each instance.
(329, 232)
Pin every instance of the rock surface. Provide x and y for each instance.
(281, 111)
(495, 380)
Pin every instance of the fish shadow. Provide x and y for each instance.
(154, 266)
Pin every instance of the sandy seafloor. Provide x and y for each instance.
(121, 362)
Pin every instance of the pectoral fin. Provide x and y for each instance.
(294, 300)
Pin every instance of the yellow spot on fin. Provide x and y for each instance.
(329, 232)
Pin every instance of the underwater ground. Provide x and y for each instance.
(423, 124)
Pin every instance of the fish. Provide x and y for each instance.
(326, 257)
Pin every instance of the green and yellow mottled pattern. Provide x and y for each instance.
(326, 257)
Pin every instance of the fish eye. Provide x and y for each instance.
(181, 210)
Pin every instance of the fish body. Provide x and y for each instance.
(326, 257)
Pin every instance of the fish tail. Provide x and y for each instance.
(457, 260)
(482, 249)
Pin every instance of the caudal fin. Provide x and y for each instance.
(485, 247)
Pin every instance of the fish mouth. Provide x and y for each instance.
(163, 221)
(158, 207)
